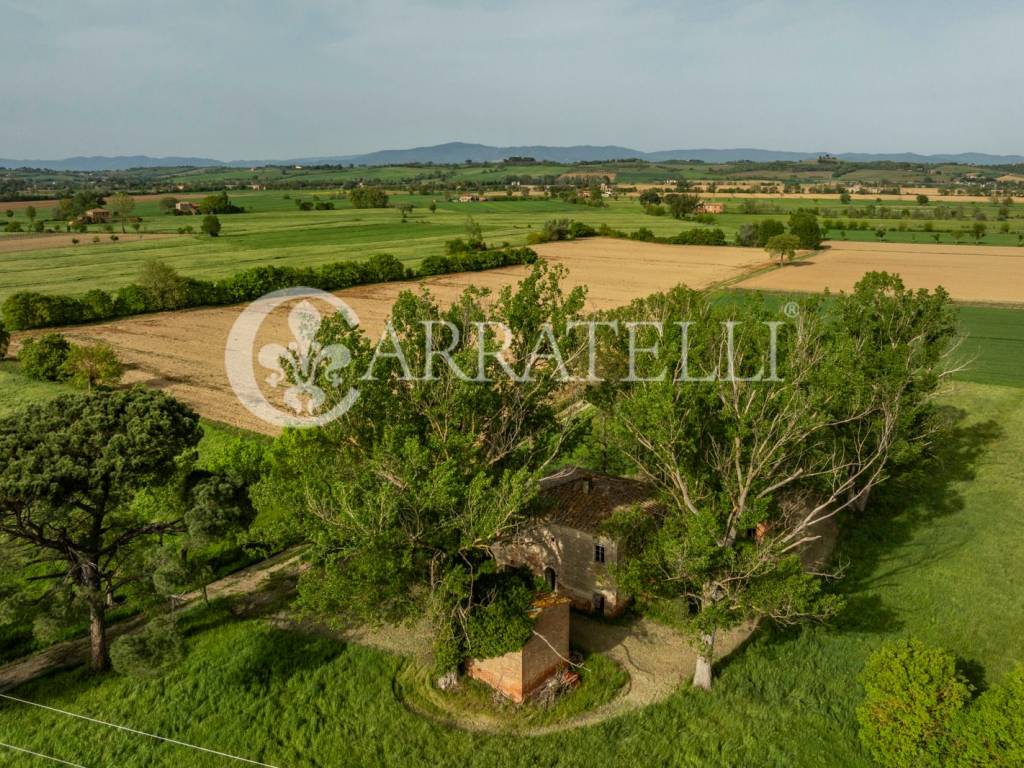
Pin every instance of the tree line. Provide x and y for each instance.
(161, 288)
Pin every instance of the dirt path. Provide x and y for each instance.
(658, 659)
(18, 243)
(73, 653)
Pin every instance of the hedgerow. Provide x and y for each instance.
(27, 309)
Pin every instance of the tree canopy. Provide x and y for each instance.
(72, 474)
(783, 247)
(750, 467)
(681, 204)
(403, 497)
(122, 205)
(92, 365)
(804, 224)
(368, 197)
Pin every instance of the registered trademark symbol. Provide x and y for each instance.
(792, 309)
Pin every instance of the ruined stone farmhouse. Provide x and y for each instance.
(566, 545)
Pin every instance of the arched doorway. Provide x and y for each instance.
(551, 578)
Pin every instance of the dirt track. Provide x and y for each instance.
(72, 653)
(17, 243)
(183, 352)
(982, 273)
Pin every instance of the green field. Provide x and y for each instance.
(786, 699)
(274, 231)
(17, 391)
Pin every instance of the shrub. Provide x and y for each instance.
(913, 695)
(561, 229)
(218, 203)
(161, 288)
(991, 731)
(132, 300)
(766, 230)
(164, 285)
(150, 651)
(501, 623)
(97, 305)
(92, 366)
(700, 236)
(211, 225)
(383, 267)
(649, 197)
(459, 246)
(26, 309)
(436, 265)
(368, 197)
(746, 235)
(5, 340)
(44, 358)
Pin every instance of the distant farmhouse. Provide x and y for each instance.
(92, 216)
(709, 207)
(566, 547)
(185, 208)
(97, 216)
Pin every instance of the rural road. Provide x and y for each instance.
(658, 659)
(73, 653)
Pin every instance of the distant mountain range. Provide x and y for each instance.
(458, 152)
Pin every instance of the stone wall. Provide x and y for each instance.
(570, 554)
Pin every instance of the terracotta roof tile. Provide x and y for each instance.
(581, 499)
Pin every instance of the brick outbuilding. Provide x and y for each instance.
(519, 673)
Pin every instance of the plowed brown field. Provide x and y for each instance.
(183, 352)
(18, 243)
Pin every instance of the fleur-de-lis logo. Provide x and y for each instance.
(303, 367)
(306, 360)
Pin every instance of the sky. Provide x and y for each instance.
(274, 80)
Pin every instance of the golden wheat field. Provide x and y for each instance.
(982, 274)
